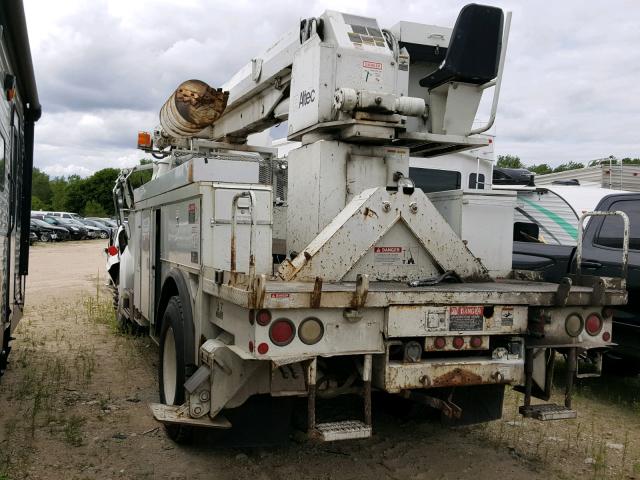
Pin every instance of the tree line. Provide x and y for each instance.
(91, 196)
(513, 161)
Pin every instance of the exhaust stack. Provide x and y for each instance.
(192, 107)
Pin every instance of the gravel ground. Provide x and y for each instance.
(73, 405)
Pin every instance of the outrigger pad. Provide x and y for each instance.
(176, 415)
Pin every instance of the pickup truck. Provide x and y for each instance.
(601, 255)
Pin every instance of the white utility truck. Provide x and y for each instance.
(328, 273)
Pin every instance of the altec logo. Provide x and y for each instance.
(306, 98)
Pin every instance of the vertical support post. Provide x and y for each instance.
(572, 359)
(366, 378)
(312, 371)
(528, 370)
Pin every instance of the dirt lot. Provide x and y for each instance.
(73, 405)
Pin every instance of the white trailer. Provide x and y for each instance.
(328, 273)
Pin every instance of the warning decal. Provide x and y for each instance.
(371, 71)
(465, 318)
(393, 256)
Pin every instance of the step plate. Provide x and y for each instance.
(347, 430)
(177, 414)
(547, 411)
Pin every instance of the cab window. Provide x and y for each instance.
(611, 231)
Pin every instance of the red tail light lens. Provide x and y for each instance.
(282, 332)
(593, 325)
(606, 336)
(476, 342)
(112, 250)
(458, 342)
(439, 343)
(263, 348)
(263, 317)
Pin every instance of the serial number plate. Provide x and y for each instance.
(465, 318)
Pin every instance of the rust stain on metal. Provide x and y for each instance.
(457, 376)
(370, 213)
(316, 295)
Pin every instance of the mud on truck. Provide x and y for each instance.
(327, 272)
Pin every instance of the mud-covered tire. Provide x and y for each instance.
(172, 369)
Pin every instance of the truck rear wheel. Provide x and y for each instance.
(172, 368)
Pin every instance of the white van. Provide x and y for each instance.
(57, 214)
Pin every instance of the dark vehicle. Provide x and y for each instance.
(103, 230)
(602, 256)
(513, 176)
(104, 221)
(75, 232)
(33, 238)
(48, 233)
(88, 231)
(19, 110)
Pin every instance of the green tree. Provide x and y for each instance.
(41, 188)
(37, 204)
(509, 161)
(58, 194)
(541, 169)
(568, 166)
(93, 209)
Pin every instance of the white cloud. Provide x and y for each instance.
(104, 68)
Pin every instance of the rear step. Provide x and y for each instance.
(547, 411)
(346, 430)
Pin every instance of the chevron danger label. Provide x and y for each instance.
(393, 256)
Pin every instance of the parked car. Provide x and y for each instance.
(47, 232)
(601, 256)
(105, 221)
(88, 232)
(75, 232)
(33, 238)
(103, 230)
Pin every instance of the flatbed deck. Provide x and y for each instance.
(293, 294)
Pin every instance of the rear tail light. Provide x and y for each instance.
(282, 332)
(458, 342)
(311, 331)
(593, 325)
(263, 348)
(263, 317)
(573, 325)
(439, 343)
(476, 342)
(606, 336)
(112, 250)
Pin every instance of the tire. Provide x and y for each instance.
(172, 371)
(45, 237)
(104, 235)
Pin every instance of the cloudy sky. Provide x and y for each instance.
(571, 88)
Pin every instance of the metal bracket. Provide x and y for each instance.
(361, 292)
(562, 293)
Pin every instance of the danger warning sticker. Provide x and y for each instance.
(465, 318)
(393, 256)
(371, 71)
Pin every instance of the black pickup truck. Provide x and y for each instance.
(602, 256)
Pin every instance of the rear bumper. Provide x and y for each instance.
(394, 376)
